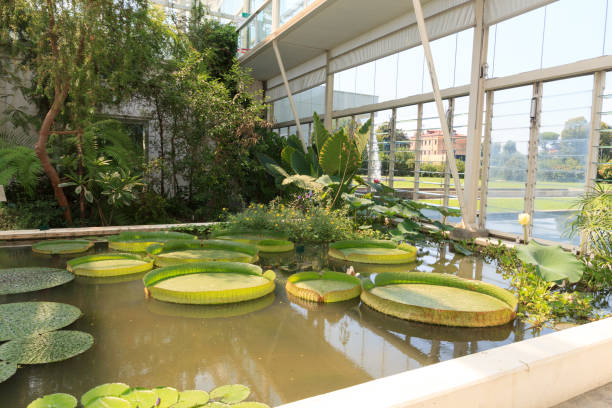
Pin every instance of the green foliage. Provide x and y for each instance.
(30, 279)
(43, 214)
(552, 263)
(24, 319)
(46, 347)
(54, 401)
(19, 164)
(62, 246)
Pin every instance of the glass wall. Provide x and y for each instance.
(604, 158)
(306, 102)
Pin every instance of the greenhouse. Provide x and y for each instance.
(305, 203)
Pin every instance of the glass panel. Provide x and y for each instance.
(508, 158)
(306, 102)
(289, 8)
(604, 157)
(405, 143)
(382, 143)
(385, 78)
(562, 155)
(463, 63)
(410, 72)
(443, 51)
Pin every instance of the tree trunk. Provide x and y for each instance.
(41, 150)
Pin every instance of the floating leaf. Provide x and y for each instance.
(250, 404)
(324, 287)
(26, 318)
(552, 263)
(54, 401)
(110, 402)
(216, 405)
(7, 369)
(46, 347)
(140, 398)
(21, 280)
(104, 390)
(113, 264)
(230, 394)
(194, 397)
(62, 246)
(166, 395)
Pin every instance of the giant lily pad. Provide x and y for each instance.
(266, 241)
(552, 263)
(221, 311)
(21, 280)
(27, 318)
(7, 369)
(180, 252)
(110, 402)
(324, 287)
(103, 265)
(104, 390)
(133, 241)
(54, 401)
(209, 283)
(46, 347)
(250, 404)
(230, 394)
(62, 246)
(439, 299)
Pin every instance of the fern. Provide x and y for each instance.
(19, 164)
(107, 138)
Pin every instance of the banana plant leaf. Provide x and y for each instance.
(271, 166)
(286, 155)
(27, 318)
(319, 134)
(54, 401)
(299, 163)
(295, 142)
(552, 263)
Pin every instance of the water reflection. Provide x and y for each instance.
(283, 348)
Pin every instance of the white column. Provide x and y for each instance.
(532, 157)
(486, 156)
(417, 151)
(275, 14)
(329, 95)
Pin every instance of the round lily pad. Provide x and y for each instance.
(266, 241)
(324, 287)
(27, 318)
(372, 252)
(7, 369)
(220, 311)
(140, 397)
(184, 251)
(110, 402)
(193, 397)
(46, 347)
(21, 280)
(167, 396)
(250, 404)
(62, 246)
(103, 390)
(230, 394)
(54, 401)
(103, 265)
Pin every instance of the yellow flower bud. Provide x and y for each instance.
(524, 219)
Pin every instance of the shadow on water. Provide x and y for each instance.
(283, 348)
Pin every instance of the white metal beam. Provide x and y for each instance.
(532, 156)
(329, 96)
(438, 98)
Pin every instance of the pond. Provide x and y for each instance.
(283, 349)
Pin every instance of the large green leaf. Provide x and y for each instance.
(271, 166)
(299, 163)
(302, 181)
(357, 202)
(552, 263)
(295, 142)
(46, 347)
(7, 369)
(230, 394)
(166, 396)
(339, 155)
(27, 318)
(21, 280)
(362, 136)
(113, 264)
(104, 390)
(319, 134)
(54, 401)
(62, 246)
(140, 398)
(194, 397)
(286, 155)
(110, 402)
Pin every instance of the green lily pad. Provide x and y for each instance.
(46, 347)
(250, 404)
(186, 404)
(21, 280)
(24, 319)
(193, 397)
(552, 262)
(110, 402)
(54, 401)
(140, 398)
(7, 369)
(62, 246)
(230, 394)
(103, 390)
(167, 396)
(216, 405)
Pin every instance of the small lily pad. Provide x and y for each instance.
(46, 347)
(21, 280)
(62, 246)
(104, 390)
(552, 263)
(54, 401)
(7, 369)
(193, 397)
(110, 402)
(24, 319)
(140, 397)
(250, 404)
(230, 394)
(166, 395)
(216, 405)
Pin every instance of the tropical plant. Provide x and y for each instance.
(20, 164)
(594, 220)
(323, 287)
(62, 246)
(112, 264)
(30, 279)
(552, 263)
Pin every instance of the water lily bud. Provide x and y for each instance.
(524, 219)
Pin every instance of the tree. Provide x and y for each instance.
(510, 147)
(82, 55)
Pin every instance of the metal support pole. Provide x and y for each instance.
(532, 157)
(329, 95)
(417, 151)
(486, 156)
(474, 128)
(599, 84)
(275, 14)
(289, 95)
(392, 148)
(418, 12)
(449, 120)
(371, 141)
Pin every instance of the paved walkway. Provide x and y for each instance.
(598, 398)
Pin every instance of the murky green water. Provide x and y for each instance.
(283, 349)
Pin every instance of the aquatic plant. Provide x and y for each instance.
(552, 263)
(46, 347)
(176, 252)
(323, 287)
(30, 279)
(119, 395)
(439, 299)
(133, 241)
(111, 264)
(62, 246)
(372, 252)
(24, 319)
(265, 241)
